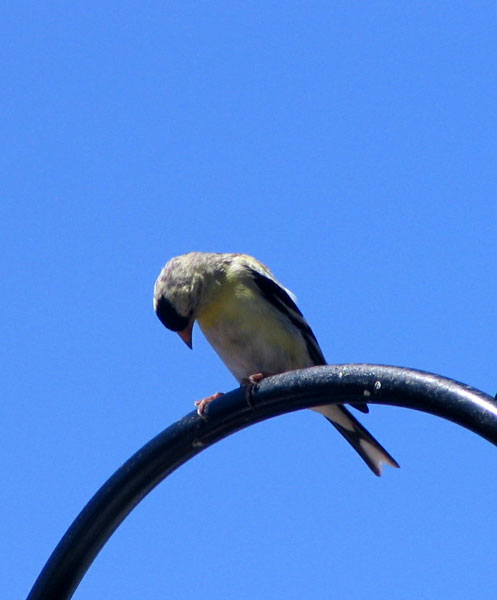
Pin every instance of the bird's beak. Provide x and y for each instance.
(186, 334)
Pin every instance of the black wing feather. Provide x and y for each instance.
(280, 299)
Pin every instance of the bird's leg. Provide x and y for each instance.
(249, 382)
(202, 404)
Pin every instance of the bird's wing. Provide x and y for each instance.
(285, 301)
(278, 296)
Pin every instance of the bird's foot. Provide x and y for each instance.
(202, 404)
(255, 378)
(249, 382)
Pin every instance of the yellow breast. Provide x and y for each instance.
(249, 333)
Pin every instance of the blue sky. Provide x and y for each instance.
(351, 147)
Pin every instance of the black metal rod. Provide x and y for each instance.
(235, 410)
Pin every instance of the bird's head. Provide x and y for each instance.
(178, 293)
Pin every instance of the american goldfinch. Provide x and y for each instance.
(253, 323)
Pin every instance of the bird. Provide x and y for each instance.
(255, 326)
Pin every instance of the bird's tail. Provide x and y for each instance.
(373, 453)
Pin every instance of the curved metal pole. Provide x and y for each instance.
(235, 410)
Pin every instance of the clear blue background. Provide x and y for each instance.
(351, 147)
